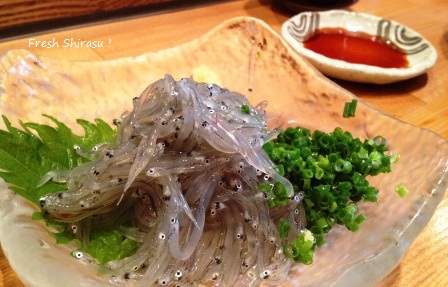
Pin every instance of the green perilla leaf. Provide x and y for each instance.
(29, 153)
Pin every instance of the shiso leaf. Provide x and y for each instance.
(107, 244)
(29, 153)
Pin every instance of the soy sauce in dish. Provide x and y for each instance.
(356, 47)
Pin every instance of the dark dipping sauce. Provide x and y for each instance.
(356, 47)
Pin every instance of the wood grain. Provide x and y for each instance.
(19, 12)
(421, 101)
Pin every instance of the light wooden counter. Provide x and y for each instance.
(422, 101)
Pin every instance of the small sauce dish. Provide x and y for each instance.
(346, 45)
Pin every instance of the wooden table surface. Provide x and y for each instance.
(422, 101)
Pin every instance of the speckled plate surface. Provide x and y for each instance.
(420, 54)
(246, 55)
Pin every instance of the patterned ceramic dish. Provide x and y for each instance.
(420, 54)
(249, 58)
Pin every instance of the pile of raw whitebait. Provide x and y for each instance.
(186, 168)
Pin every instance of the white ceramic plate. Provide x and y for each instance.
(420, 53)
(246, 54)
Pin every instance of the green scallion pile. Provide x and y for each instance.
(330, 170)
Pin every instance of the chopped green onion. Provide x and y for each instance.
(342, 166)
(283, 228)
(394, 157)
(303, 248)
(330, 170)
(350, 109)
(402, 190)
(245, 109)
(322, 223)
(281, 169)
